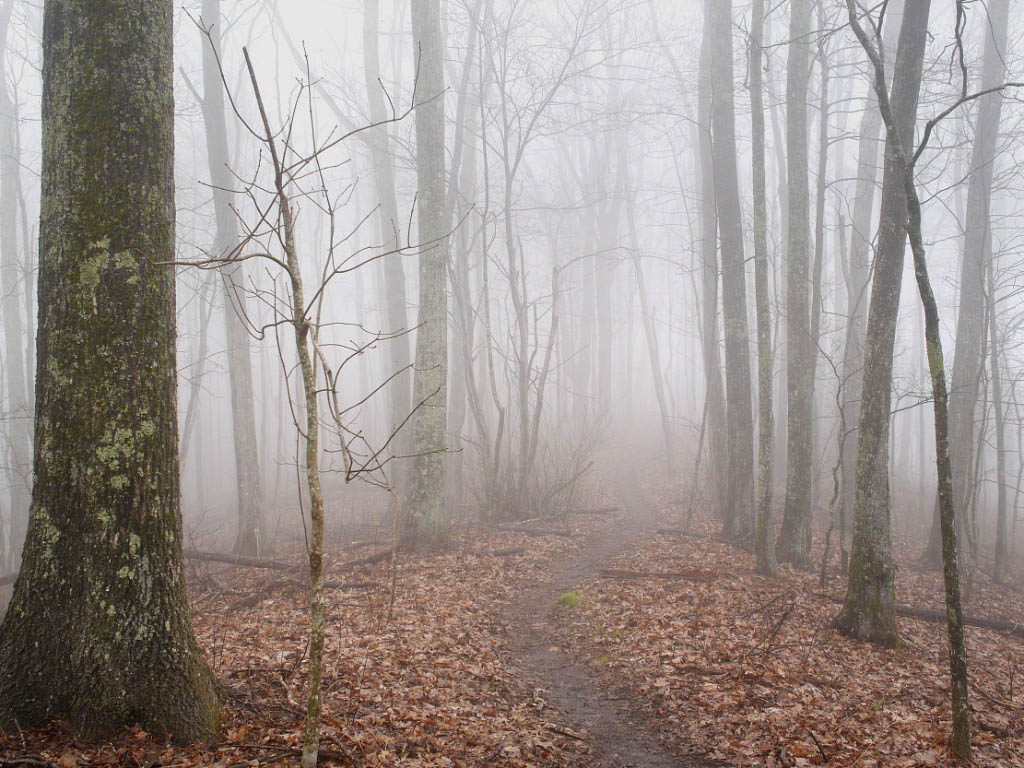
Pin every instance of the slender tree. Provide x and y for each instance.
(718, 453)
(869, 609)
(794, 544)
(249, 535)
(763, 544)
(99, 628)
(739, 512)
(426, 502)
(970, 327)
(19, 434)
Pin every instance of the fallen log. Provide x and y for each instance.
(510, 552)
(538, 532)
(594, 511)
(374, 558)
(681, 532)
(1014, 628)
(238, 560)
(687, 574)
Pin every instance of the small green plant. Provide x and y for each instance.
(570, 599)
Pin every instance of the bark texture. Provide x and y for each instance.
(718, 455)
(971, 326)
(739, 510)
(426, 504)
(12, 282)
(794, 544)
(763, 545)
(99, 626)
(869, 608)
(249, 536)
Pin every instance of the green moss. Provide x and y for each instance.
(570, 599)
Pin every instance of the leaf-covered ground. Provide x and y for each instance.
(748, 669)
(727, 665)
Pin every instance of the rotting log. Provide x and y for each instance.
(1014, 628)
(687, 574)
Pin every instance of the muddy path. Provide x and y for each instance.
(613, 723)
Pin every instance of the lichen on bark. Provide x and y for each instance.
(99, 628)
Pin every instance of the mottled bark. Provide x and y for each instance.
(739, 511)
(249, 535)
(13, 284)
(99, 627)
(970, 326)
(794, 545)
(869, 609)
(718, 453)
(763, 545)
(858, 277)
(426, 502)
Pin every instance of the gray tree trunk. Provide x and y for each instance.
(970, 327)
(12, 282)
(869, 611)
(763, 545)
(739, 510)
(718, 453)
(794, 545)
(392, 272)
(426, 501)
(99, 627)
(858, 277)
(249, 536)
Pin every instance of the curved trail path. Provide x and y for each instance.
(615, 725)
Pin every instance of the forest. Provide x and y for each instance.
(469, 383)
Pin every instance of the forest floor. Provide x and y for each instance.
(603, 639)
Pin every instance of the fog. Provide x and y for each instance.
(576, 262)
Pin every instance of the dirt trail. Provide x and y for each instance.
(615, 724)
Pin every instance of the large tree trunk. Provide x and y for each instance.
(13, 284)
(869, 609)
(794, 544)
(858, 277)
(99, 627)
(718, 455)
(970, 327)
(249, 536)
(763, 545)
(739, 511)
(426, 501)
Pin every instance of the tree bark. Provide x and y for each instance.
(970, 327)
(13, 281)
(99, 627)
(426, 503)
(249, 536)
(868, 612)
(718, 455)
(739, 511)
(794, 545)
(763, 545)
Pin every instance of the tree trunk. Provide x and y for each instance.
(1002, 565)
(739, 510)
(99, 627)
(763, 545)
(718, 456)
(868, 612)
(249, 536)
(13, 282)
(970, 327)
(392, 272)
(794, 545)
(426, 503)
